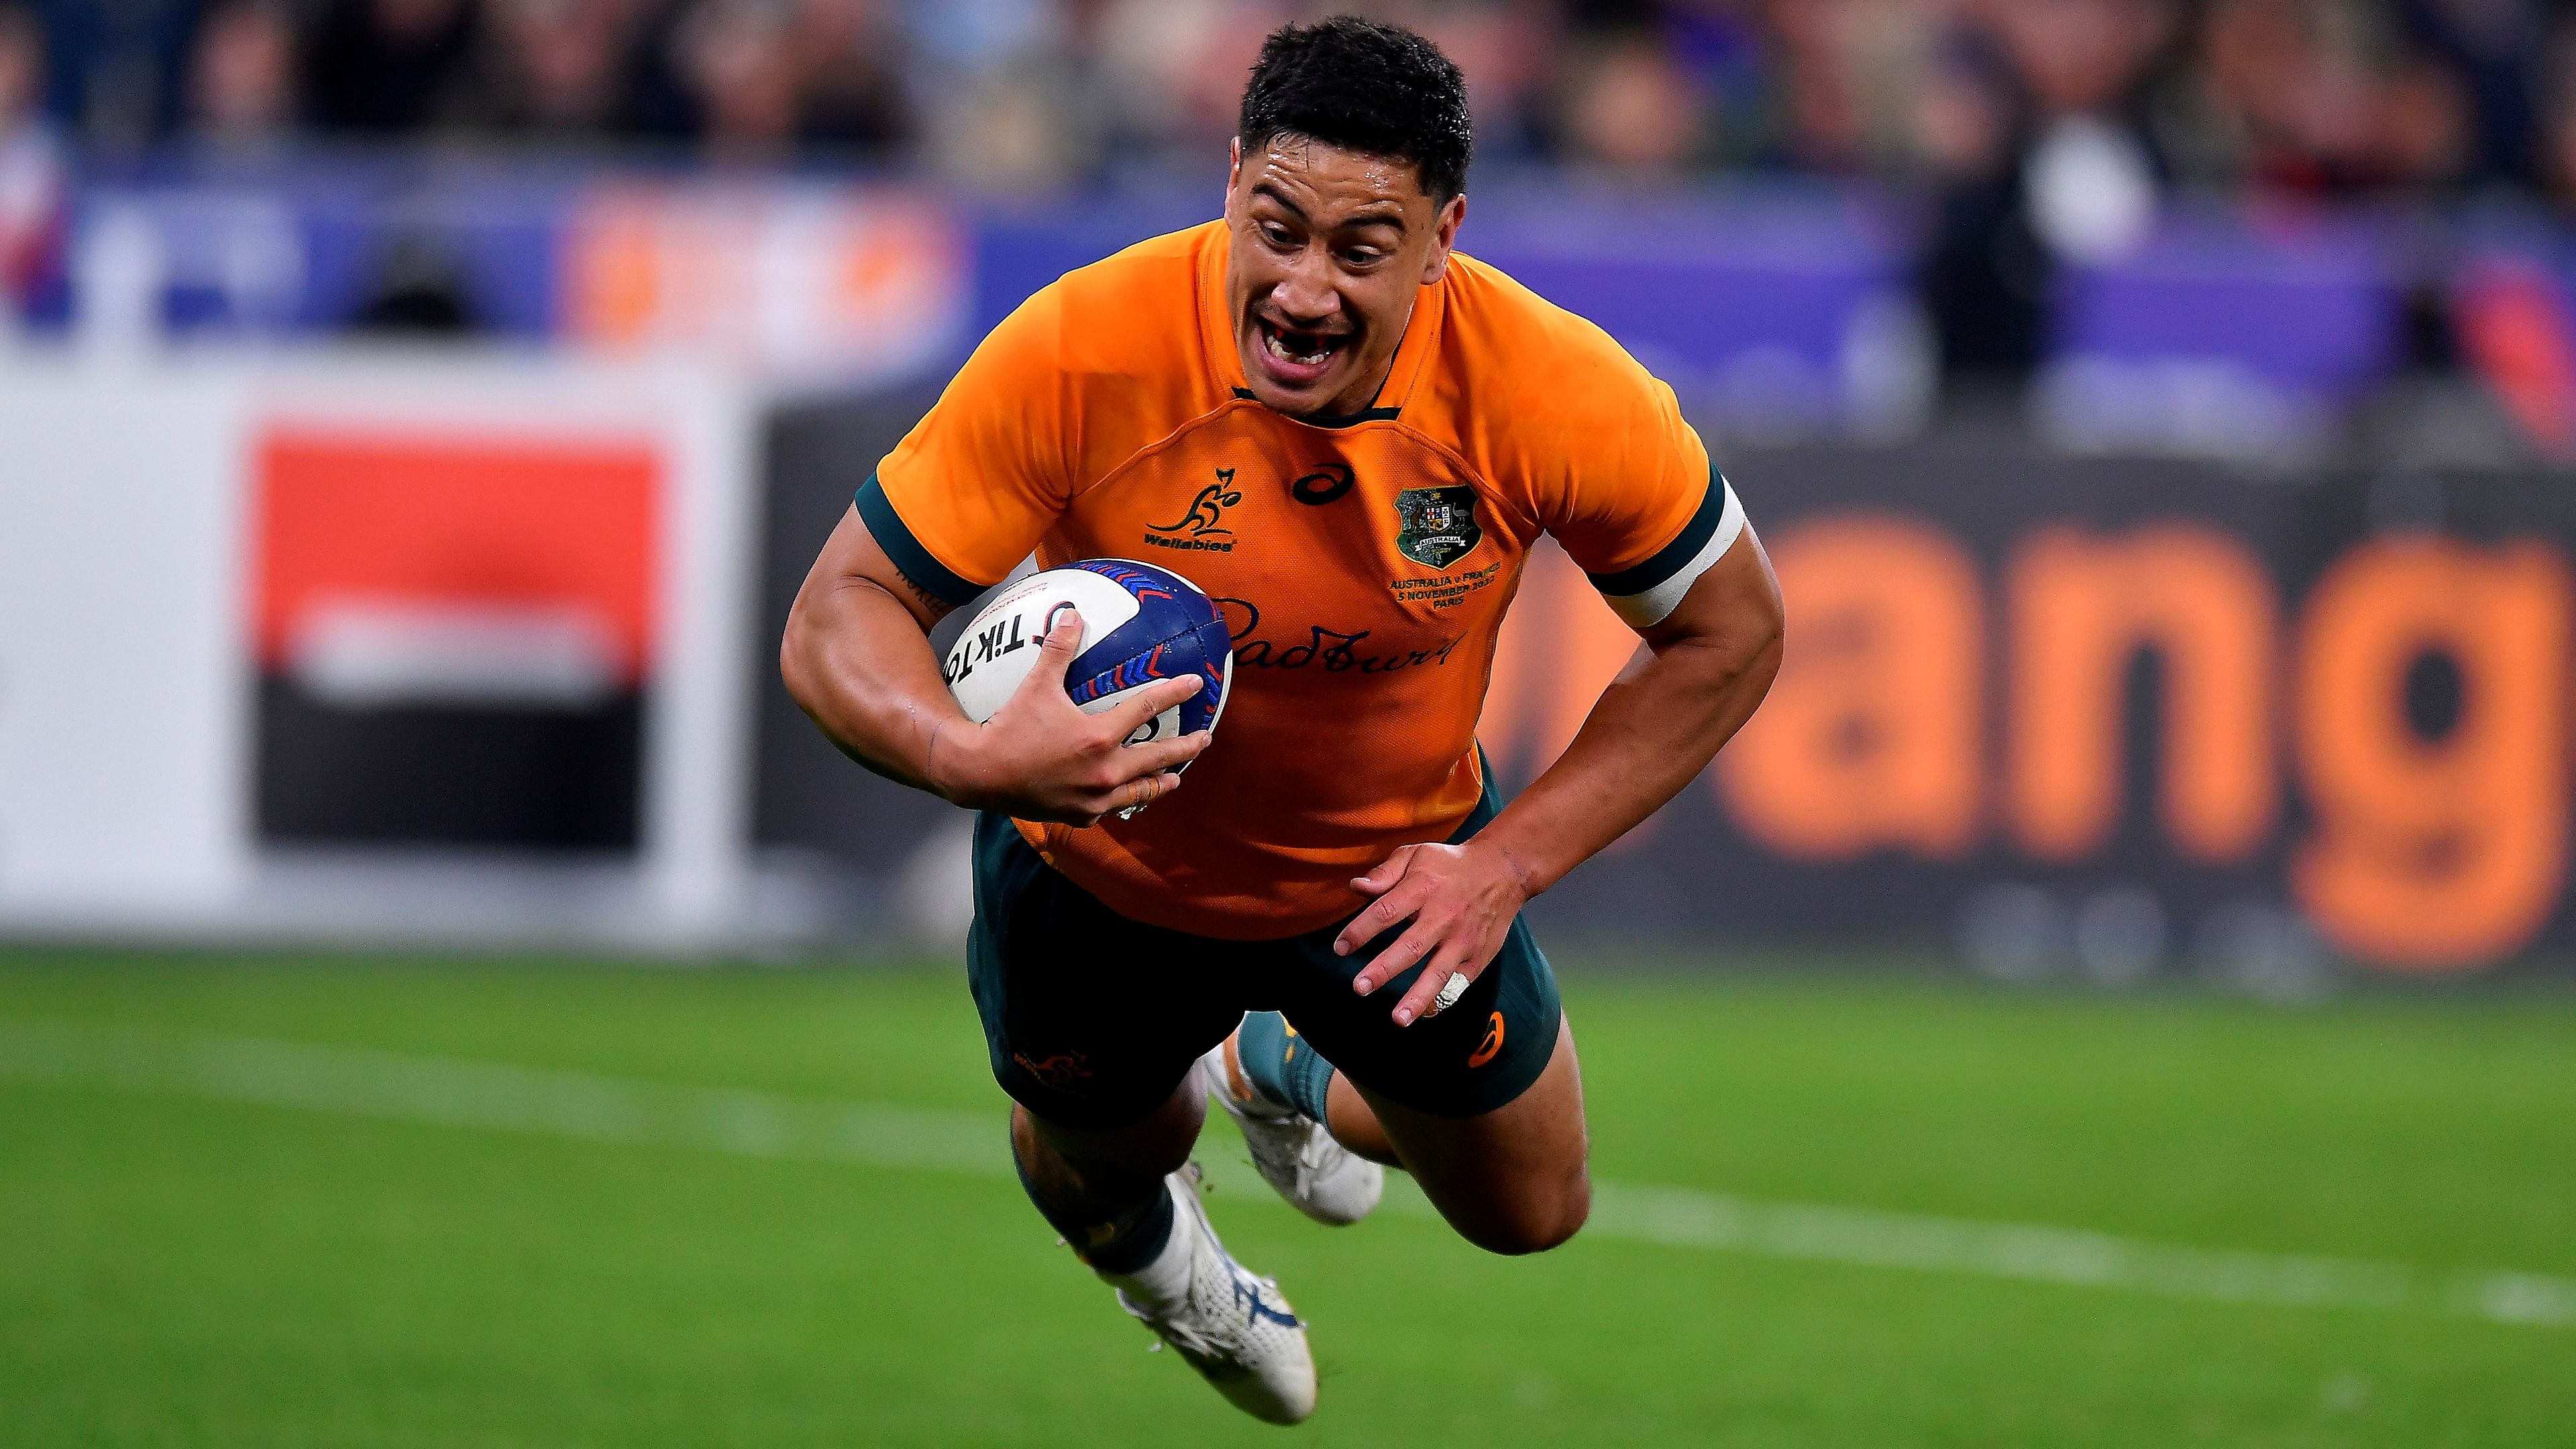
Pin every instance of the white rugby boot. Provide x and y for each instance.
(1297, 1156)
(1233, 1327)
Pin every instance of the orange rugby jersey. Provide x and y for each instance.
(1362, 563)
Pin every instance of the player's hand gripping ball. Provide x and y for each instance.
(1139, 624)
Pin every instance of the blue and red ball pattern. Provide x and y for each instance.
(1176, 631)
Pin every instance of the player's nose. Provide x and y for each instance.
(1306, 296)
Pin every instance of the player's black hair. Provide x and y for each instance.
(1377, 89)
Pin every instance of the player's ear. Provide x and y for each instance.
(1233, 171)
(1444, 235)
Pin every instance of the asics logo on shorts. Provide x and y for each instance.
(1492, 1043)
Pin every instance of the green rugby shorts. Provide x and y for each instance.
(1091, 1019)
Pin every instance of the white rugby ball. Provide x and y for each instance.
(999, 647)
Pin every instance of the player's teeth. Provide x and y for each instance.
(1278, 344)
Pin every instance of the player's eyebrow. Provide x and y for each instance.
(1386, 214)
(1271, 190)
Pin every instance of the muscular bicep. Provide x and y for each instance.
(1734, 604)
(852, 558)
(856, 656)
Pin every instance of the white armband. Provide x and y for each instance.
(1646, 594)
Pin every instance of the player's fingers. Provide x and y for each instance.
(1395, 960)
(1381, 880)
(1130, 714)
(1161, 755)
(1146, 790)
(1425, 998)
(1453, 985)
(1056, 650)
(1441, 983)
(1383, 912)
(1134, 795)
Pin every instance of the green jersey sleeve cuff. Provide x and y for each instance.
(895, 537)
(1649, 592)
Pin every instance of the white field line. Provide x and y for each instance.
(452, 1092)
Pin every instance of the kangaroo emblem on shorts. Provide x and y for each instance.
(1059, 1072)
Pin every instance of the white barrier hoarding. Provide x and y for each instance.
(121, 703)
(258, 616)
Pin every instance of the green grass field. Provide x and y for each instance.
(213, 1233)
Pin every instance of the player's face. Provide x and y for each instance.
(1330, 249)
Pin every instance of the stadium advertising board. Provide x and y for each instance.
(796, 281)
(2125, 716)
(356, 608)
(2132, 713)
(453, 634)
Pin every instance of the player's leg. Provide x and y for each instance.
(1267, 1068)
(1354, 1124)
(1104, 1188)
(1147, 1236)
(1512, 1180)
(1274, 1091)
(1094, 1025)
(1482, 1102)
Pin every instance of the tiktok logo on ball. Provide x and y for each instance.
(1003, 637)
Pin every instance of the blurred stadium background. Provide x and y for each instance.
(2116, 993)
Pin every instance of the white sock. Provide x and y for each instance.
(1165, 1280)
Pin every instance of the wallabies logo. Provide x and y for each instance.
(1064, 1071)
(1207, 511)
(1202, 528)
(1436, 525)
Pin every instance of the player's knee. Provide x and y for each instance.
(1151, 1146)
(1537, 1221)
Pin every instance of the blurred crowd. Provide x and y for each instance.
(2313, 97)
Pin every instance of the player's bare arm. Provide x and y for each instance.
(1696, 679)
(857, 658)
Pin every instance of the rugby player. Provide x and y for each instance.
(1350, 435)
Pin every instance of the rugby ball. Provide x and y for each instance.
(1139, 624)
